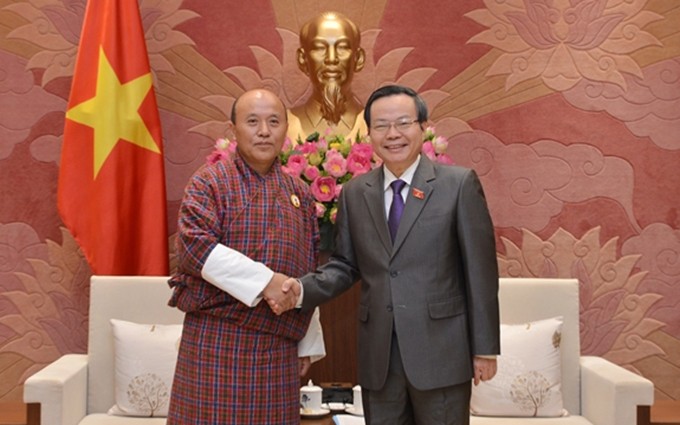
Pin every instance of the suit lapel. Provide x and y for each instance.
(375, 203)
(419, 195)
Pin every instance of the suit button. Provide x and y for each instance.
(389, 307)
(394, 273)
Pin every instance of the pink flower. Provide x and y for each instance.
(357, 164)
(296, 165)
(335, 164)
(444, 159)
(216, 156)
(333, 153)
(287, 144)
(440, 144)
(224, 149)
(320, 209)
(333, 215)
(322, 144)
(311, 173)
(323, 189)
(222, 144)
(429, 133)
(364, 150)
(428, 150)
(308, 147)
(338, 189)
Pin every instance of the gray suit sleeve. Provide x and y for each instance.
(340, 272)
(478, 250)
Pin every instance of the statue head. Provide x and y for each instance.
(330, 54)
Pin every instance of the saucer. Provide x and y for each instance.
(352, 411)
(308, 413)
(334, 406)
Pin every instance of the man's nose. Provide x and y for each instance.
(392, 132)
(263, 129)
(332, 55)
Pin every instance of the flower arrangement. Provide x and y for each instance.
(327, 162)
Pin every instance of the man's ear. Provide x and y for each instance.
(229, 133)
(302, 61)
(361, 60)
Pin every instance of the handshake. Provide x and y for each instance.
(281, 293)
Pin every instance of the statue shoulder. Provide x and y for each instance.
(359, 127)
(295, 127)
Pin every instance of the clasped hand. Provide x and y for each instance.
(281, 293)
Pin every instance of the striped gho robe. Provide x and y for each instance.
(239, 364)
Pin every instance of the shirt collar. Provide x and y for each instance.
(406, 176)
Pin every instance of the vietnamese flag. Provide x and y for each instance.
(111, 192)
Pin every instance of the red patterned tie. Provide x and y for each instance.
(397, 207)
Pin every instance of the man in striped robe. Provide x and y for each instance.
(242, 220)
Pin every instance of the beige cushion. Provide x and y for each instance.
(526, 300)
(144, 360)
(529, 379)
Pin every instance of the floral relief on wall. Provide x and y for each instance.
(568, 109)
(562, 42)
(44, 302)
(539, 179)
(614, 310)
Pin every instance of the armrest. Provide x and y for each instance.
(61, 390)
(610, 394)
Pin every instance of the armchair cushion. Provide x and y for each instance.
(529, 378)
(144, 362)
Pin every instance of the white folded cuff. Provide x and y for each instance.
(236, 274)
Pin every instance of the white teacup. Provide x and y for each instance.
(357, 405)
(310, 398)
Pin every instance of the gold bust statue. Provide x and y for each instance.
(329, 55)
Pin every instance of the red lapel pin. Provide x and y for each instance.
(418, 193)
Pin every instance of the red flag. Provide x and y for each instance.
(111, 192)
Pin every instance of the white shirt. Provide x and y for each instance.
(245, 279)
(406, 176)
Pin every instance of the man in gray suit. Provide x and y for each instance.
(425, 252)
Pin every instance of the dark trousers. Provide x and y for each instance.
(400, 403)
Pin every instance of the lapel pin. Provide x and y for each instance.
(418, 193)
(295, 200)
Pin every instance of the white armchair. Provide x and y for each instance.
(595, 391)
(79, 389)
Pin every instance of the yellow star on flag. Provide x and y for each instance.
(113, 112)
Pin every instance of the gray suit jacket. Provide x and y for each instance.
(436, 286)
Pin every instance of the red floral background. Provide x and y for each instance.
(568, 109)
